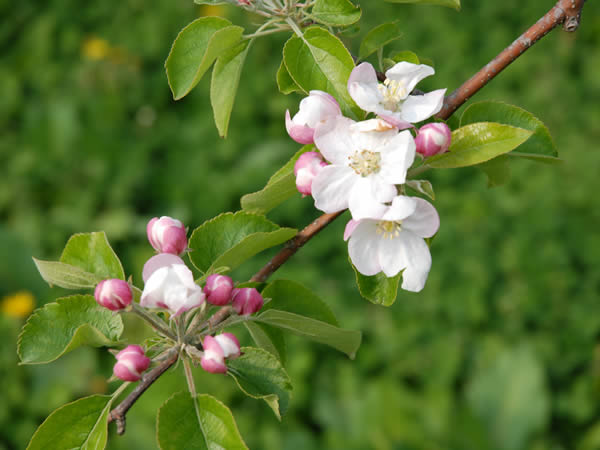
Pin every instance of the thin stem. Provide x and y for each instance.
(152, 321)
(120, 389)
(189, 376)
(295, 28)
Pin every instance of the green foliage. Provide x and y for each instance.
(269, 338)
(285, 83)
(320, 61)
(449, 3)
(61, 327)
(230, 239)
(194, 50)
(477, 143)
(339, 13)
(378, 288)
(422, 186)
(378, 38)
(212, 426)
(260, 375)
(81, 424)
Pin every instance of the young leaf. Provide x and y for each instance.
(422, 186)
(346, 341)
(66, 276)
(405, 55)
(320, 61)
(449, 3)
(195, 49)
(224, 84)
(280, 187)
(92, 253)
(208, 424)
(293, 297)
(230, 239)
(337, 13)
(378, 38)
(285, 83)
(477, 143)
(378, 289)
(82, 424)
(259, 374)
(269, 338)
(60, 327)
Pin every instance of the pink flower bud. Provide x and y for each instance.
(314, 109)
(244, 2)
(247, 301)
(218, 289)
(306, 169)
(131, 362)
(213, 359)
(229, 344)
(167, 235)
(433, 138)
(113, 294)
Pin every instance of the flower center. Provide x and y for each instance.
(365, 162)
(389, 229)
(393, 92)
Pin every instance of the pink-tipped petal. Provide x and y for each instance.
(158, 261)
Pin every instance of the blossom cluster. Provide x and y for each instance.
(169, 285)
(362, 166)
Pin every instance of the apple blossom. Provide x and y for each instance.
(172, 287)
(306, 169)
(318, 107)
(213, 359)
(394, 241)
(230, 345)
(368, 159)
(433, 138)
(392, 100)
(131, 362)
(218, 289)
(167, 235)
(247, 301)
(114, 294)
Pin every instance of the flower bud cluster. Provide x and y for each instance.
(131, 362)
(217, 349)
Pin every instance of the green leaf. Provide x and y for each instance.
(497, 170)
(477, 143)
(269, 338)
(280, 187)
(92, 253)
(320, 61)
(60, 327)
(230, 239)
(224, 84)
(338, 13)
(449, 3)
(378, 38)
(195, 49)
(378, 289)
(285, 82)
(422, 186)
(346, 341)
(211, 426)
(540, 142)
(293, 297)
(82, 424)
(260, 375)
(66, 276)
(405, 55)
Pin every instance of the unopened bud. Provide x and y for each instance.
(244, 2)
(306, 169)
(167, 235)
(314, 109)
(229, 344)
(213, 359)
(433, 138)
(113, 294)
(247, 301)
(131, 362)
(218, 289)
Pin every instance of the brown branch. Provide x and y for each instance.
(118, 413)
(567, 12)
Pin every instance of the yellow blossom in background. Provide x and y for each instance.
(95, 48)
(212, 10)
(18, 305)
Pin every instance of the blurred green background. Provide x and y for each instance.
(500, 351)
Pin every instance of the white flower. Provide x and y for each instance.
(318, 107)
(391, 100)
(394, 241)
(172, 287)
(368, 159)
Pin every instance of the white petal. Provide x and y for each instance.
(409, 74)
(367, 198)
(350, 227)
(331, 188)
(401, 208)
(153, 289)
(372, 140)
(363, 248)
(392, 258)
(424, 221)
(418, 261)
(158, 261)
(396, 158)
(334, 139)
(185, 275)
(362, 87)
(420, 107)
